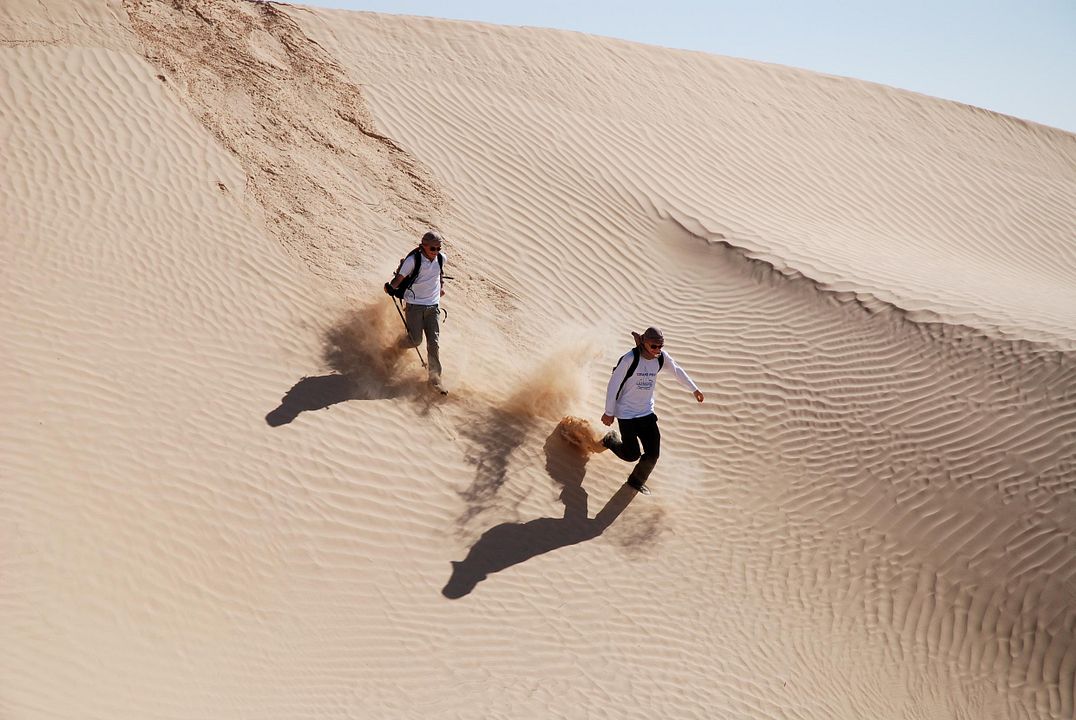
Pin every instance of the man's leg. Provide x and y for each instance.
(413, 321)
(650, 437)
(431, 323)
(627, 448)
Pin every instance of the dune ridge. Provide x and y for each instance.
(227, 491)
(874, 240)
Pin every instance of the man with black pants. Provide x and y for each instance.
(630, 399)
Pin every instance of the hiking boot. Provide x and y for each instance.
(435, 383)
(641, 489)
(611, 438)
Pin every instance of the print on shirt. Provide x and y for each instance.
(645, 381)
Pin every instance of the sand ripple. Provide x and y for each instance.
(225, 491)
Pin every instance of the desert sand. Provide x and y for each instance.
(225, 493)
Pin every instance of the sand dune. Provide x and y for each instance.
(227, 493)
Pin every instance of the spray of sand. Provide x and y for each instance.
(366, 346)
(554, 389)
(556, 385)
(580, 434)
(546, 395)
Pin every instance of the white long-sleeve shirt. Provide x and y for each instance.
(637, 398)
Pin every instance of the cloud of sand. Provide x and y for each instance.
(545, 394)
(580, 435)
(365, 345)
(556, 386)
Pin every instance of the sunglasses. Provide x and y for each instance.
(431, 248)
(654, 346)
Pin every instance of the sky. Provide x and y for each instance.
(1016, 57)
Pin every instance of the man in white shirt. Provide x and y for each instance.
(630, 399)
(419, 277)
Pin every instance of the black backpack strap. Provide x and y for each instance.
(399, 267)
(418, 266)
(417, 252)
(634, 364)
(631, 370)
(408, 281)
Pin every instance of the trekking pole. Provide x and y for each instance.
(446, 277)
(408, 334)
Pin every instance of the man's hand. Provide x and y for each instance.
(607, 419)
(389, 289)
(698, 395)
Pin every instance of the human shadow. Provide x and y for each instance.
(318, 393)
(509, 544)
(496, 436)
(364, 351)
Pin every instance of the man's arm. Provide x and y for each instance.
(405, 269)
(684, 379)
(619, 373)
(444, 261)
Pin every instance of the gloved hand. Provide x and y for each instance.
(389, 289)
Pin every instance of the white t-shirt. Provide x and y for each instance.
(426, 290)
(637, 397)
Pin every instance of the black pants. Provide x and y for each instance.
(642, 430)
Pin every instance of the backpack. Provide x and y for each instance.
(408, 281)
(635, 364)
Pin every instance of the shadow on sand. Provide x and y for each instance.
(495, 437)
(364, 350)
(318, 393)
(509, 544)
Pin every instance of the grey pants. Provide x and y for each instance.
(426, 319)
